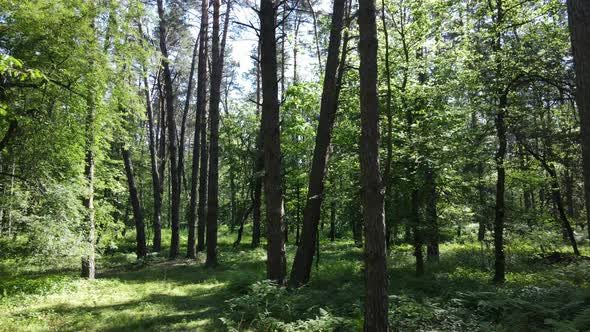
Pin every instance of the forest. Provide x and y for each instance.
(294, 165)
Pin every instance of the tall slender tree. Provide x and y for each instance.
(276, 265)
(201, 106)
(141, 249)
(376, 280)
(173, 150)
(329, 104)
(217, 51)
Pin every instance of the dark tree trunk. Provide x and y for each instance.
(579, 22)
(174, 178)
(141, 249)
(157, 223)
(201, 109)
(258, 165)
(213, 193)
(273, 191)
(376, 280)
(203, 182)
(329, 104)
(187, 103)
(162, 150)
(557, 200)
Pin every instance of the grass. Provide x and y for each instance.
(161, 295)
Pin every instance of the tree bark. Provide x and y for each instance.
(273, 191)
(187, 103)
(213, 190)
(141, 249)
(157, 226)
(376, 279)
(579, 23)
(389, 138)
(258, 164)
(329, 105)
(201, 109)
(173, 152)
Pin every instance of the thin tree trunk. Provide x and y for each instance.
(213, 190)
(389, 138)
(141, 249)
(579, 23)
(258, 164)
(557, 200)
(316, 35)
(201, 109)
(500, 260)
(276, 261)
(376, 280)
(329, 104)
(187, 103)
(174, 178)
(157, 240)
(203, 182)
(500, 263)
(88, 259)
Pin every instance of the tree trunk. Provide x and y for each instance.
(500, 260)
(88, 258)
(579, 23)
(157, 240)
(258, 165)
(162, 150)
(174, 178)
(500, 263)
(201, 109)
(187, 103)
(203, 182)
(213, 190)
(329, 104)
(141, 250)
(557, 200)
(389, 138)
(276, 261)
(376, 280)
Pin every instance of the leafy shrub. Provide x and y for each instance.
(267, 307)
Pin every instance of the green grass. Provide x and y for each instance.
(161, 295)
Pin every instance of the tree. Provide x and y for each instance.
(201, 106)
(579, 24)
(311, 214)
(141, 249)
(216, 75)
(173, 151)
(376, 280)
(276, 265)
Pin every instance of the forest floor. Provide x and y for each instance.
(182, 295)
